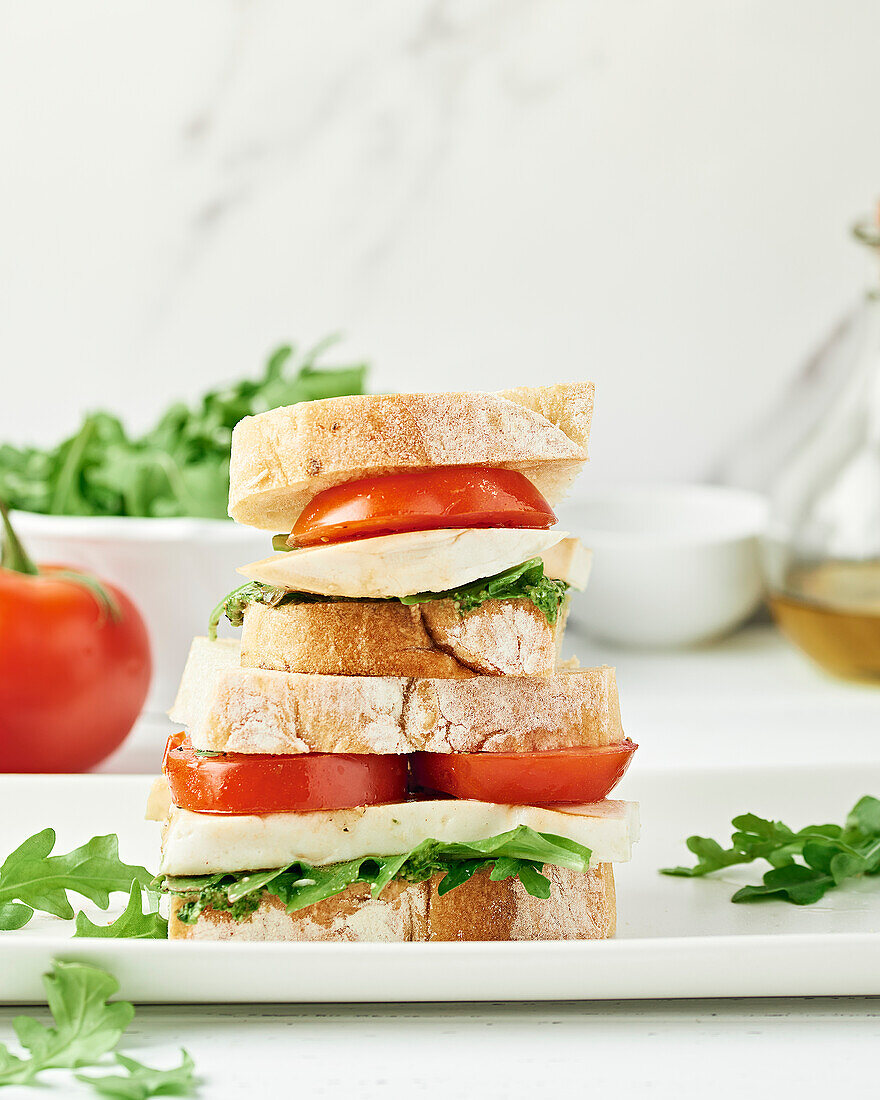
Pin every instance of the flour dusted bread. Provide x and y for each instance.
(282, 458)
(400, 915)
(580, 907)
(385, 638)
(227, 708)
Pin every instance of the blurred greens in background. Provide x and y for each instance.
(181, 466)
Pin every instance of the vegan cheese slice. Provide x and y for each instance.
(201, 844)
(406, 563)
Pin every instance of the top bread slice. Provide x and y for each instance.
(282, 458)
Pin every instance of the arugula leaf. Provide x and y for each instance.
(86, 1025)
(235, 604)
(178, 468)
(526, 581)
(133, 924)
(795, 883)
(829, 854)
(143, 1082)
(535, 883)
(520, 853)
(32, 879)
(458, 874)
(864, 817)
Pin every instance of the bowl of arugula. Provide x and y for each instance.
(148, 513)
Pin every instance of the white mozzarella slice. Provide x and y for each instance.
(201, 844)
(569, 561)
(158, 800)
(402, 564)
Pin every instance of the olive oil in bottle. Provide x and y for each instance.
(821, 552)
(832, 612)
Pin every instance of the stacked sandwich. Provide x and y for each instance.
(394, 751)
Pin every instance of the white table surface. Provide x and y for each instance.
(747, 698)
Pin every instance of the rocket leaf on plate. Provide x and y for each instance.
(33, 879)
(133, 924)
(805, 864)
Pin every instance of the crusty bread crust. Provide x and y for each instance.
(398, 916)
(282, 458)
(231, 709)
(385, 638)
(580, 907)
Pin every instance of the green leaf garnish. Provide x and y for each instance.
(520, 853)
(133, 924)
(33, 879)
(181, 466)
(526, 581)
(235, 604)
(142, 1082)
(829, 855)
(86, 1025)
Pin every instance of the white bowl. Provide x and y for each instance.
(673, 565)
(175, 570)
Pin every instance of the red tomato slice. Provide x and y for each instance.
(422, 500)
(239, 783)
(525, 778)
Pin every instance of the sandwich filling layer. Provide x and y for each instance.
(314, 857)
(412, 562)
(200, 844)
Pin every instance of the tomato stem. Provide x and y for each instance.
(14, 556)
(107, 605)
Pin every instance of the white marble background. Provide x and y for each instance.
(651, 193)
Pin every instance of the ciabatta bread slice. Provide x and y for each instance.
(233, 709)
(580, 907)
(418, 561)
(282, 458)
(385, 638)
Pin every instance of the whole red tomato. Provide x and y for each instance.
(74, 665)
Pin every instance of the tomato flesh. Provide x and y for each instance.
(525, 778)
(239, 783)
(422, 500)
(244, 783)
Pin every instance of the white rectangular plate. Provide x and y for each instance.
(676, 937)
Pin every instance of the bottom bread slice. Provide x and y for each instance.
(581, 906)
